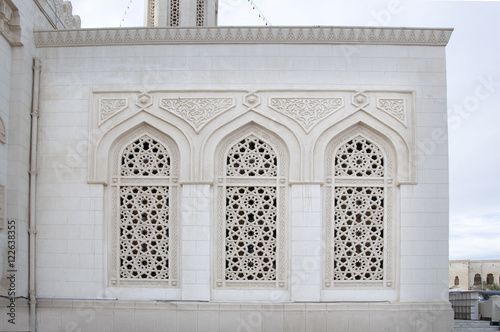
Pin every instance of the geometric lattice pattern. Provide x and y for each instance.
(251, 157)
(251, 217)
(359, 234)
(200, 13)
(359, 157)
(145, 157)
(144, 232)
(174, 13)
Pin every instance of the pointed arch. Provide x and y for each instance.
(281, 137)
(252, 189)
(101, 145)
(403, 147)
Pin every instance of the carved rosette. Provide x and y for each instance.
(360, 100)
(143, 101)
(307, 112)
(252, 100)
(197, 111)
(109, 107)
(394, 107)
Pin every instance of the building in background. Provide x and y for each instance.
(184, 176)
(474, 275)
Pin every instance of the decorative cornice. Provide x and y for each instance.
(244, 35)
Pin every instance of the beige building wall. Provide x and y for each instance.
(473, 275)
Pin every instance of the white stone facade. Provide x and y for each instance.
(281, 179)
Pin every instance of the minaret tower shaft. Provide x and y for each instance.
(180, 13)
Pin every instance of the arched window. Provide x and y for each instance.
(359, 212)
(457, 281)
(251, 200)
(477, 280)
(489, 279)
(144, 198)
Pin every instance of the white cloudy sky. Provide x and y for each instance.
(473, 57)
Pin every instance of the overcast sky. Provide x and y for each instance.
(473, 67)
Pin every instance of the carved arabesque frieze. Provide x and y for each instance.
(197, 111)
(306, 111)
(303, 112)
(221, 35)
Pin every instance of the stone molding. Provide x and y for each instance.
(9, 23)
(244, 35)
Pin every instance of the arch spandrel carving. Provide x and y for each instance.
(303, 120)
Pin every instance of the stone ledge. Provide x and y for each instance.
(244, 35)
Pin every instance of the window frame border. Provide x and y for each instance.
(390, 209)
(281, 184)
(113, 206)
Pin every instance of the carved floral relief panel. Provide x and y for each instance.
(197, 111)
(200, 113)
(306, 111)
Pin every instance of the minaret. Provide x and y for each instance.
(180, 13)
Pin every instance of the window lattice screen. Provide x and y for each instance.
(144, 211)
(359, 213)
(251, 212)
